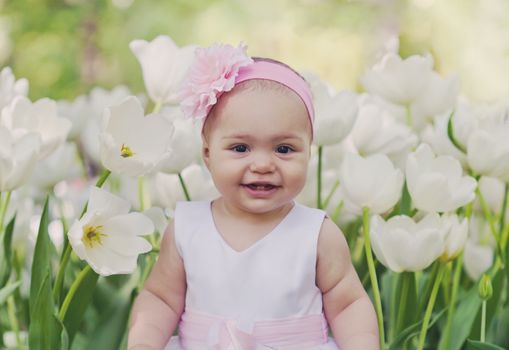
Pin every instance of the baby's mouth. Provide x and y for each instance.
(260, 186)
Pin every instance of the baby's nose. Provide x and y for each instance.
(262, 163)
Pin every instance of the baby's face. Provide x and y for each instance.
(257, 148)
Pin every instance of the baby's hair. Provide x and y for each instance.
(254, 84)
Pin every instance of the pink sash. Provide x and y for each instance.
(199, 331)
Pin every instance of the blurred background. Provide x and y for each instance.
(65, 47)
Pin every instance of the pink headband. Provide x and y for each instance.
(217, 69)
(277, 72)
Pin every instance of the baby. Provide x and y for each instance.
(252, 269)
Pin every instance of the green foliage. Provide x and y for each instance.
(5, 252)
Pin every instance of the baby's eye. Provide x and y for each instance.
(239, 148)
(283, 149)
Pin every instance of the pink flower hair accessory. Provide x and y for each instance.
(212, 73)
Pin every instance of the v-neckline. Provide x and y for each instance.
(258, 241)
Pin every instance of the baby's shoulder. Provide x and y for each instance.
(331, 240)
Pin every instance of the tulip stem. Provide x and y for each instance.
(504, 208)
(331, 193)
(141, 193)
(454, 295)
(81, 159)
(429, 308)
(372, 275)
(483, 321)
(184, 187)
(11, 311)
(157, 107)
(319, 179)
(74, 287)
(409, 120)
(59, 281)
(487, 213)
(405, 285)
(3, 208)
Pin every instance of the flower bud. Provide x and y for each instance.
(485, 287)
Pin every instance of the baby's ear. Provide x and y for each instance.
(205, 151)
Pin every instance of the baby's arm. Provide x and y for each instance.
(348, 309)
(158, 307)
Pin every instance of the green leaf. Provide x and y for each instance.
(452, 137)
(463, 319)
(45, 329)
(111, 326)
(42, 257)
(483, 346)
(413, 330)
(5, 252)
(79, 304)
(8, 290)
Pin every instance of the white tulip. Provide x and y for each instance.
(60, 165)
(99, 99)
(493, 192)
(10, 339)
(488, 151)
(158, 218)
(10, 87)
(78, 112)
(376, 131)
(412, 83)
(401, 244)
(166, 188)
(439, 96)
(334, 112)
(131, 143)
(456, 236)
(108, 236)
(480, 248)
(477, 259)
(464, 121)
(18, 155)
(185, 142)
(371, 182)
(23, 207)
(23, 116)
(398, 80)
(436, 184)
(164, 66)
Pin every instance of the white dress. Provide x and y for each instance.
(264, 297)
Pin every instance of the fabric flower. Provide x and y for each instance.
(212, 72)
(164, 66)
(107, 236)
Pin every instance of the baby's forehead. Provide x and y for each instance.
(252, 97)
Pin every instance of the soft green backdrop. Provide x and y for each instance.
(64, 47)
